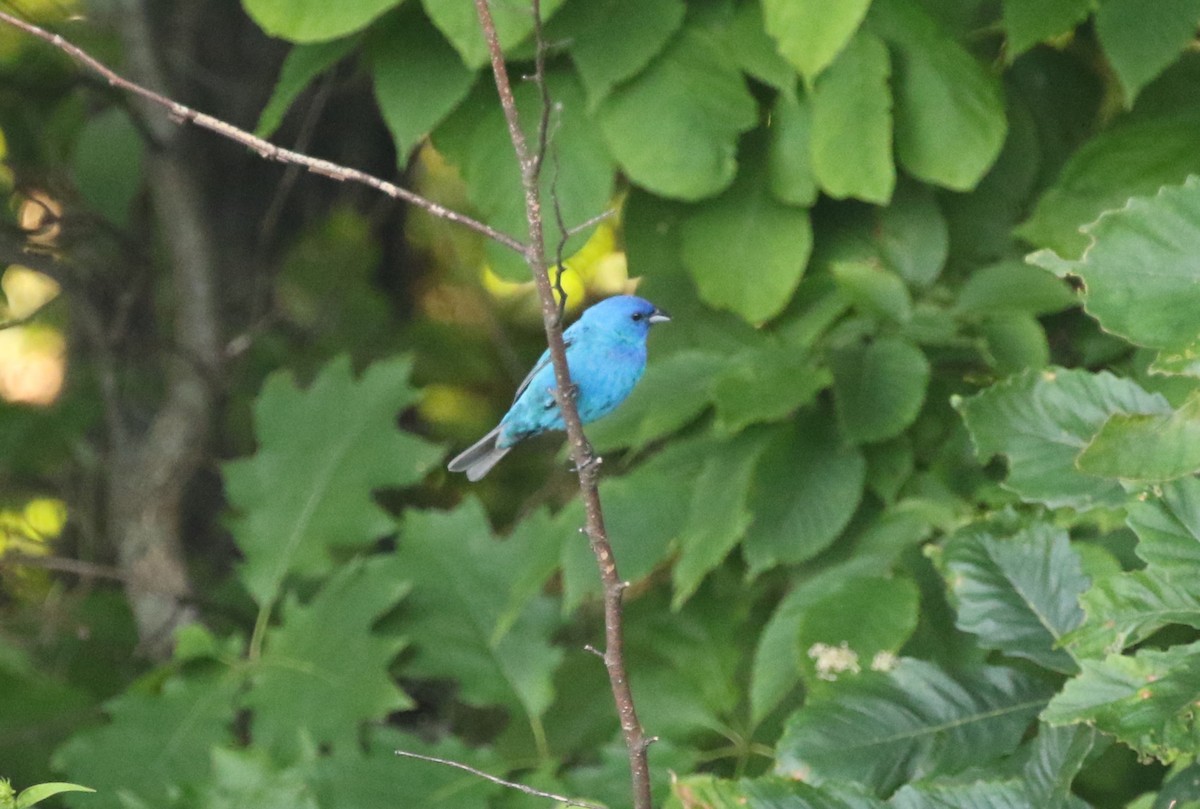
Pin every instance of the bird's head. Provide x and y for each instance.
(625, 315)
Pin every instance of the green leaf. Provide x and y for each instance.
(243, 778)
(950, 119)
(1015, 286)
(1055, 757)
(806, 488)
(1180, 790)
(1133, 159)
(755, 50)
(459, 22)
(789, 153)
(155, 742)
(1015, 342)
(303, 64)
(39, 792)
(1169, 529)
(811, 33)
(763, 384)
(852, 123)
(767, 792)
(419, 79)
(881, 730)
(1147, 700)
(1041, 420)
(1126, 608)
(674, 127)
(1028, 22)
(461, 578)
(107, 164)
(475, 139)
(1142, 40)
(1019, 595)
(322, 452)
(745, 250)
(913, 236)
(858, 627)
(1139, 274)
(1146, 448)
(611, 41)
(878, 388)
(323, 671)
(972, 795)
(315, 20)
(873, 289)
(718, 516)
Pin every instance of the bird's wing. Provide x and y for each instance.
(543, 361)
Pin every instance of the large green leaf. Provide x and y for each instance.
(1146, 448)
(1147, 700)
(1125, 608)
(612, 41)
(1009, 794)
(1019, 595)
(766, 792)
(460, 24)
(913, 237)
(418, 78)
(765, 383)
(1054, 757)
(322, 452)
(674, 127)
(917, 721)
(1134, 159)
(950, 121)
(852, 123)
(789, 154)
(315, 20)
(323, 671)
(1140, 274)
(1013, 286)
(1041, 420)
(811, 33)
(807, 486)
(745, 249)
(157, 740)
(1028, 22)
(248, 777)
(1169, 528)
(579, 175)
(879, 388)
(1141, 39)
(302, 65)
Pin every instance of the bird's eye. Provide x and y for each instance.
(637, 316)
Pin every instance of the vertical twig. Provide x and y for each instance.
(585, 460)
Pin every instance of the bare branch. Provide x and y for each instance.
(496, 780)
(581, 451)
(181, 113)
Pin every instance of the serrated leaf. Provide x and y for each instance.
(1019, 595)
(323, 671)
(1146, 448)
(806, 488)
(1028, 22)
(1056, 755)
(1041, 420)
(1146, 700)
(459, 23)
(155, 742)
(852, 123)
(314, 20)
(1180, 790)
(674, 127)
(1141, 40)
(811, 33)
(1131, 160)
(612, 41)
(1140, 274)
(878, 388)
(243, 778)
(418, 77)
(917, 721)
(322, 452)
(744, 249)
(766, 792)
(303, 64)
(475, 139)
(1126, 608)
(1169, 528)
(462, 576)
(789, 152)
(974, 795)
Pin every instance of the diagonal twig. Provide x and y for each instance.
(181, 113)
(497, 780)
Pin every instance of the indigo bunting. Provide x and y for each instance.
(606, 354)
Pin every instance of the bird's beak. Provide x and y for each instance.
(659, 316)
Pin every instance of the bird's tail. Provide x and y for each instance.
(479, 458)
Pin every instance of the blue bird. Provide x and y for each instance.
(606, 353)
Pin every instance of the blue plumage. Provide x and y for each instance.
(606, 352)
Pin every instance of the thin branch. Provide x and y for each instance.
(181, 113)
(584, 458)
(587, 223)
(496, 780)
